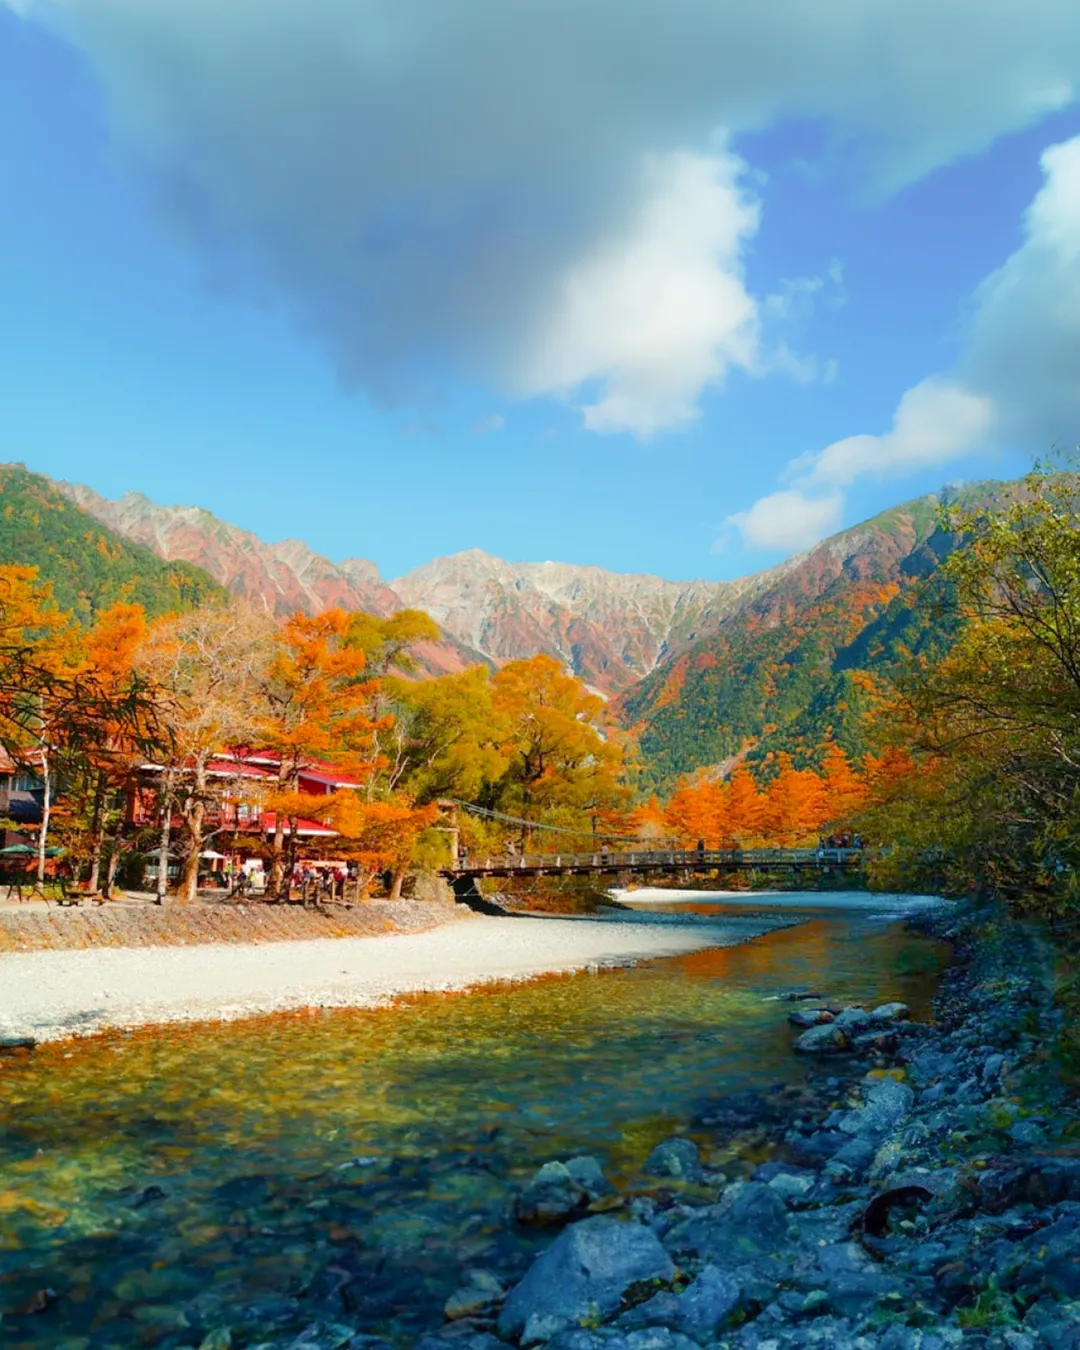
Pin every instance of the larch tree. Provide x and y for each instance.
(317, 701)
(745, 807)
(560, 748)
(207, 668)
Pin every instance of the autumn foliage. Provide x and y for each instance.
(778, 804)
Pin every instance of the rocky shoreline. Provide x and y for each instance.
(921, 1191)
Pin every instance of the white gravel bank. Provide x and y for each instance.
(54, 994)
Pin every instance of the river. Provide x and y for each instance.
(162, 1181)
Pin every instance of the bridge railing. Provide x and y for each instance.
(655, 859)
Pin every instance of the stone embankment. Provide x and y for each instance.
(922, 1191)
(38, 929)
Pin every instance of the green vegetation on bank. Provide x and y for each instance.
(994, 797)
(88, 565)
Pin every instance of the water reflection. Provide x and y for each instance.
(384, 1140)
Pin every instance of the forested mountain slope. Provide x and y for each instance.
(90, 566)
(791, 668)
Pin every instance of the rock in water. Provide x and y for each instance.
(852, 1020)
(828, 1039)
(677, 1158)
(891, 1012)
(480, 1292)
(583, 1274)
(589, 1175)
(551, 1195)
(810, 1017)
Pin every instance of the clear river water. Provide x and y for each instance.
(167, 1182)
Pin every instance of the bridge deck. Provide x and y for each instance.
(654, 860)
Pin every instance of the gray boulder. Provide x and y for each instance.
(589, 1175)
(707, 1303)
(603, 1338)
(852, 1020)
(828, 1039)
(749, 1222)
(582, 1275)
(890, 1012)
(810, 1017)
(677, 1158)
(552, 1194)
(885, 1104)
(559, 1190)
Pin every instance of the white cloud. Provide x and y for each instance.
(416, 182)
(1015, 383)
(934, 422)
(660, 312)
(1023, 347)
(787, 520)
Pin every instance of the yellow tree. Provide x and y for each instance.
(447, 739)
(560, 747)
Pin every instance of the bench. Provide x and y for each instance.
(72, 895)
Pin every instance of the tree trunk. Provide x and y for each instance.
(400, 872)
(193, 821)
(163, 840)
(46, 812)
(114, 858)
(290, 857)
(277, 851)
(97, 833)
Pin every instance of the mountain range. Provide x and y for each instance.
(704, 671)
(610, 629)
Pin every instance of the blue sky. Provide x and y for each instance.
(557, 285)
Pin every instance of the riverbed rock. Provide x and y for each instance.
(810, 1017)
(885, 1104)
(890, 1012)
(827, 1039)
(551, 1195)
(852, 1020)
(480, 1293)
(589, 1175)
(750, 1221)
(583, 1274)
(707, 1303)
(677, 1158)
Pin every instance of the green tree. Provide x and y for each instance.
(995, 795)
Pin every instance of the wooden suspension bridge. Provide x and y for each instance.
(659, 861)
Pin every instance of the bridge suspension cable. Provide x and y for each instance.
(535, 824)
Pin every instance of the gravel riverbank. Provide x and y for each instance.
(49, 995)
